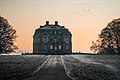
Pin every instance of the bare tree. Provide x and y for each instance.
(7, 37)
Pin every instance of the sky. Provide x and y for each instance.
(84, 18)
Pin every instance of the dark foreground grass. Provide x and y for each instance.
(80, 70)
(16, 67)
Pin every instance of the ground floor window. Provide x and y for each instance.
(51, 46)
(45, 47)
(67, 47)
(55, 47)
(59, 46)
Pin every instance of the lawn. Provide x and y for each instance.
(92, 67)
(15, 67)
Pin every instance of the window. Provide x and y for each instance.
(55, 40)
(55, 32)
(50, 32)
(59, 40)
(51, 47)
(55, 47)
(67, 47)
(59, 46)
(45, 39)
(45, 47)
(59, 32)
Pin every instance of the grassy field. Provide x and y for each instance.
(78, 67)
(15, 67)
(92, 67)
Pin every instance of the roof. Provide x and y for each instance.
(48, 27)
(52, 27)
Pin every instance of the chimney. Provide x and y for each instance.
(47, 22)
(56, 22)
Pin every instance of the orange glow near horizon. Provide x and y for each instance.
(84, 18)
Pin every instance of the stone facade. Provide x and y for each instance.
(52, 39)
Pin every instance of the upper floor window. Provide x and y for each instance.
(50, 32)
(59, 32)
(45, 47)
(55, 40)
(45, 39)
(55, 32)
(67, 47)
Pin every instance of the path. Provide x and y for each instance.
(52, 70)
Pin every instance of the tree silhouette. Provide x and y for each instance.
(109, 39)
(7, 37)
(95, 46)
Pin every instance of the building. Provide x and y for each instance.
(52, 39)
